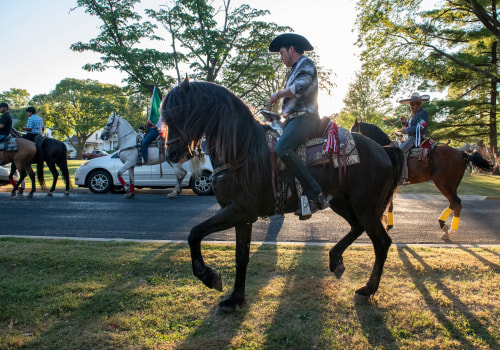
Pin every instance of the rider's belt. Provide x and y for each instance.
(295, 115)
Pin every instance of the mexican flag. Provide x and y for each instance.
(154, 111)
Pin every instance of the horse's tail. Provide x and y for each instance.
(477, 160)
(39, 165)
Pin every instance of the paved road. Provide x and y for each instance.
(154, 217)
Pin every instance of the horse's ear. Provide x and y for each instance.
(185, 84)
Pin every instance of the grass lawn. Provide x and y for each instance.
(59, 294)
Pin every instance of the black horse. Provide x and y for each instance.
(242, 182)
(53, 152)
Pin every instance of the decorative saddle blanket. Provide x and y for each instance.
(423, 151)
(341, 153)
(9, 145)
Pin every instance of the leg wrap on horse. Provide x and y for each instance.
(445, 214)
(454, 223)
(12, 182)
(132, 188)
(390, 218)
(122, 182)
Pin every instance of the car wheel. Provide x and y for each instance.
(202, 185)
(99, 181)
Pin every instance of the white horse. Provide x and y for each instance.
(129, 143)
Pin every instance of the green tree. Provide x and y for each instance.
(364, 102)
(118, 43)
(80, 108)
(224, 45)
(16, 98)
(453, 48)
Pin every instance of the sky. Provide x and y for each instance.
(37, 35)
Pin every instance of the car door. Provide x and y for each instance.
(163, 175)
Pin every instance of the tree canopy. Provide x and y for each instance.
(451, 49)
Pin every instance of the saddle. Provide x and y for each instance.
(158, 143)
(423, 151)
(9, 144)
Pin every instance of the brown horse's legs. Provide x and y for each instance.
(449, 190)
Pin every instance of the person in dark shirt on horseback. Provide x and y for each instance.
(300, 109)
(415, 127)
(5, 121)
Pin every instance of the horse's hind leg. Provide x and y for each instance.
(336, 261)
(63, 166)
(449, 190)
(55, 175)
(180, 174)
(381, 243)
(32, 178)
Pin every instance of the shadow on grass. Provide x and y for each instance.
(115, 297)
(478, 257)
(479, 329)
(225, 327)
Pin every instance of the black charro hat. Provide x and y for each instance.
(290, 39)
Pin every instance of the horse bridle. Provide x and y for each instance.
(109, 124)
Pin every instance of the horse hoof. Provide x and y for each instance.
(30, 195)
(129, 195)
(172, 195)
(445, 236)
(389, 227)
(360, 299)
(452, 232)
(217, 282)
(339, 270)
(66, 193)
(445, 228)
(13, 194)
(223, 310)
(50, 194)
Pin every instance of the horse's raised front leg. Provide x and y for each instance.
(226, 218)
(180, 174)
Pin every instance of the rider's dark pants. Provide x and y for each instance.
(295, 133)
(29, 136)
(150, 137)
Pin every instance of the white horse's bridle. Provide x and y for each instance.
(107, 128)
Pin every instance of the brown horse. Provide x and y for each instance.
(445, 168)
(22, 159)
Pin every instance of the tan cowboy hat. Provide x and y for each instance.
(415, 97)
(290, 39)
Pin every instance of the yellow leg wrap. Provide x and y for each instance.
(390, 219)
(445, 214)
(454, 223)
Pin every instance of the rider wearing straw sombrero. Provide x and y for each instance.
(300, 109)
(415, 127)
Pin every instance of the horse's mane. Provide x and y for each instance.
(234, 137)
(372, 131)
